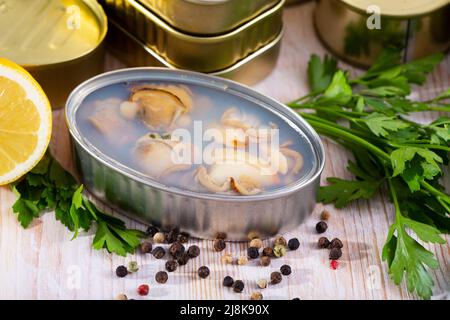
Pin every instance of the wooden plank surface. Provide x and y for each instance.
(42, 263)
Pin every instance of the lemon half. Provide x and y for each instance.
(25, 122)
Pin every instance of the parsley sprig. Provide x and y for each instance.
(49, 187)
(368, 116)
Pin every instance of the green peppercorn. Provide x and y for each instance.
(133, 266)
(280, 241)
(279, 251)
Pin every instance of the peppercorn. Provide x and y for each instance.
(268, 252)
(238, 286)
(262, 283)
(256, 243)
(280, 241)
(253, 235)
(227, 258)
(228, 281)
(336, 243)
(265, 261)
(159, 237)
(253, 253)
(159, 252)
(242, 260)
(321, 227)
(171, 265)
(325, 215)
(219, 245)
(146, 247)
(172, 236)
(203, 272)
(221, 235)
(285, 270)
(161, 277)
(143, 289)
(293, 244)
(183, 237)
(121, 271)
(295, 298)
(335, 253)
(176, 249)
(256, 296)
(133, 266)
(151, 231)
(323, 242)
(193, 251)
(121, 296)
(279, 251)
(183, 259)
(275, 277)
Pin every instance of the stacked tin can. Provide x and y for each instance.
(231, 38)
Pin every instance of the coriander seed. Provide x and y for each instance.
(121, 271)
(321, 227)
(262, 283)
(203, 272)
(238, 286)
(228, 281)
(335, 253)
(265, 261)
(242, 260)
(171, 265)
(323, 243)
(280, 241)
(268, 252)
(256, 296)
(159, 237)
(227, 258)
(275, 277)
(293, 244)
(256, 243)
(219, 245)
(159, 252)
(336, 243)
(161, 277)
(133, 266)
(279, 251)
(146, 247)
(285, 270)
(193, 251)
(253, 253)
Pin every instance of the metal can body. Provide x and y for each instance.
(198, 53)
(249, 70)
(59, 42)
(201, 214)
(207, 17)
(343, 27)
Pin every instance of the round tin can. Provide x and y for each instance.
(58, 41)
(200, 214)
(194, 52)
(357, 30)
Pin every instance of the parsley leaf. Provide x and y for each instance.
(320, 73)
(381, 125)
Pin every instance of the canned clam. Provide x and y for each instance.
(357, 30)
(219, 157)
(58, 41)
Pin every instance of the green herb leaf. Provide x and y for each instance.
(320, 72)
(339, 91)
(382, 125)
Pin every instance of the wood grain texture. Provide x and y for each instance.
(42, 263)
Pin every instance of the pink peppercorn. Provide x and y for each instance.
(334, 264)
(143, 289)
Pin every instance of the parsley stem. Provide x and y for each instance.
(435, 191)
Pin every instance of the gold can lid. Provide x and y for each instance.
(399, 8)
(45, 32)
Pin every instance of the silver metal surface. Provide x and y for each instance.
(201, 214)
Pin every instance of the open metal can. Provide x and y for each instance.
(203, 214)
(207, 17)
(357, 30)
(58, 42)
(250, 70)
(204, 53)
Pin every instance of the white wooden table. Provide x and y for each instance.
(42, 263)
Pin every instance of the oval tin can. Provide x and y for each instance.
(200, 214)
(197, 53)
(58, 41)
(357, 30)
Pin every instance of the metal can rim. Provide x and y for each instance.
(85, 88)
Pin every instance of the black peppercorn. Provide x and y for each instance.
(335, 253)
(323, 242)
(336, 243)
(151, 230)
(253, 253)
(161, 277)
(171, 236)
(176, 249)
(146, 247)
(183, 259)
(321, 227)
(121, 271)
(265, 261)
(183, 237)
(296, 299)
(221, 235)
(193, 251)
(275, 277)
(219, 245)
(171, 265)
(285, 270)
(293, 244)
(228, 281)
(238, 286)
(203, 272)
(268, 252)
(159, 252)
